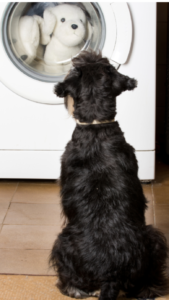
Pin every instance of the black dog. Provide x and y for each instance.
(106, 244)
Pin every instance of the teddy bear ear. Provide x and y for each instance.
(47, 26)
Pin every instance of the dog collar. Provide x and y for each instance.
(94, 122)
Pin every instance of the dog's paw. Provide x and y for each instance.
(76, 293)
(95, 294)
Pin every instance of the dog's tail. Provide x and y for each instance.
(157, 283)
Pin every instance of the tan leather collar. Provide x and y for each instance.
(94, 122)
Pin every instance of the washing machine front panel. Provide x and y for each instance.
(33, 77)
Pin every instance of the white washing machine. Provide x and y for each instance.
(35, 126)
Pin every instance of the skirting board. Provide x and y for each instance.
(46, 164)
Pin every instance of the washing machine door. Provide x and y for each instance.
(38, 41)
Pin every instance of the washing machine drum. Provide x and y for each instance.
(40, 39)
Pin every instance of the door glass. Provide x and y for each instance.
(41, 38)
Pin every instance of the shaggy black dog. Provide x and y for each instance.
(106, 244)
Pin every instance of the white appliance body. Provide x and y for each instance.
(34, 133)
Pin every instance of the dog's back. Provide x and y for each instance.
(106, 244)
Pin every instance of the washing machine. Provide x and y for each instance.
(34, 124)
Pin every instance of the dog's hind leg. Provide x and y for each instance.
(109, 291)
(156, 283)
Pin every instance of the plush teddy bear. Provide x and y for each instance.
(54, 39)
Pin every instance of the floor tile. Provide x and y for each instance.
(162, 217)
(3, 211)
(4, 206)
(18, 261)
(37, 193)
(161, 193)
(162, 173)
(149, 214)
(147, 189)
(7, 190)
(33, 214)
(28, 236)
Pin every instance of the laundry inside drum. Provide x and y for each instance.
(42, 38)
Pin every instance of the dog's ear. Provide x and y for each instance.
(121, 83)
(60, 89)
(69, 85)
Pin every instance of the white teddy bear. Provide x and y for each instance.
(62, 30)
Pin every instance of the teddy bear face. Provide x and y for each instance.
(70, 26)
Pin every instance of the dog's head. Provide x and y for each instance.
(92, 85)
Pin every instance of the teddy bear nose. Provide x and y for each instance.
(74, 26)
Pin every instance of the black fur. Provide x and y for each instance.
(106, 244)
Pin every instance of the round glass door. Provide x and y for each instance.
(42, 38)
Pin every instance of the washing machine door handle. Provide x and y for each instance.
(124, 33)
